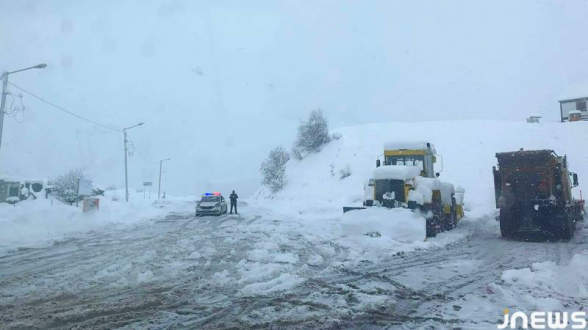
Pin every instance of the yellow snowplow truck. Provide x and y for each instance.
(405, 177)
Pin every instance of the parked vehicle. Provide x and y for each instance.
(533, 191)
(407, 179)
(211, 204)
(575, 115)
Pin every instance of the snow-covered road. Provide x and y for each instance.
(256, 270)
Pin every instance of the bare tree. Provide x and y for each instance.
(273, 169)
(313, 133)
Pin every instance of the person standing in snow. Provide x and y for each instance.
(233, 197)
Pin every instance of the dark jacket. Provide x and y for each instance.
(233, 197)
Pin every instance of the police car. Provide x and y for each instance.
(211, 204)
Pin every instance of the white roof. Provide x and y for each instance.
(574, 91)
(575, 112)
(396, 172)
(413, 145)
(16, 178)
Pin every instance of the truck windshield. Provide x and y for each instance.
(406, 160)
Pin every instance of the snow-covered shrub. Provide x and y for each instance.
(65, 186)
(313, 133)
(273, 169)
(336, 136)
(345, 171)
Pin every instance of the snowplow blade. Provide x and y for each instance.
(351, 208)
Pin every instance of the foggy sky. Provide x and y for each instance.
(220, 83)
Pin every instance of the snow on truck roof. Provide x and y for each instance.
(396, 172)
(413, 145)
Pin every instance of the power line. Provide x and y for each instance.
(64, 110)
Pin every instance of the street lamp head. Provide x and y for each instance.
(140, 124)
(41, 66)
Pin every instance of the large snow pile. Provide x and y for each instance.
(398, 225)
(43, 221)
(547, 279)
(467, 147)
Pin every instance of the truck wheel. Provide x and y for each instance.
(431, 227)
(578, 213)
(567, 226)
(507, 223)
(435, 225)
(448, 222)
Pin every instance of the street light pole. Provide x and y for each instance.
(159, 185)
(126, 167)
(4, 77)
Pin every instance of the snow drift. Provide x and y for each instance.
(400, 225)
(467, 147)
(42, 221)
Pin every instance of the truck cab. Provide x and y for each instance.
(421, 154)
(405, 177)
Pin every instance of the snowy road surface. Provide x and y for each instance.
(257, 271)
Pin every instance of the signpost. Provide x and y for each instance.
(147, 184)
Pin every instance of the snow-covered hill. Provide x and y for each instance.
(468, 148)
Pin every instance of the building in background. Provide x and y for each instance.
(574, 99)
(9, 190)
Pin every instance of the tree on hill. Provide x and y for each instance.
(312, 133)
(273, 169)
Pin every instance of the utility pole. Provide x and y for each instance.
(3, 103)
(126, 167)
(4, 77)
(159, 185)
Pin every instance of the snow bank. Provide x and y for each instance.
(467, 147)
(401, 225)
(397, 172)
(569, 280)
(44, 221)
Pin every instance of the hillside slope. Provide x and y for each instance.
(467, 147)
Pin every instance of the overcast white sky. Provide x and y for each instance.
(219, 83)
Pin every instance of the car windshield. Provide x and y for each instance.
(210, 199)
